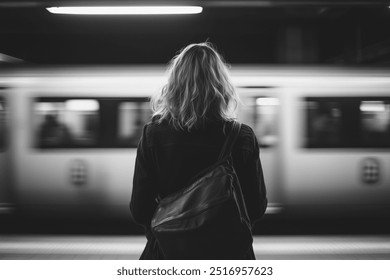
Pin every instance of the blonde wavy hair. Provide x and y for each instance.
(198, 89)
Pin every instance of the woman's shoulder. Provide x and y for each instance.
(155, 131)
(246, 131)
(247, 139)
(152, 126)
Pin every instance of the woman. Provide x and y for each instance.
(192, 116)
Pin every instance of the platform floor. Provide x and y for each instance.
(84, 247)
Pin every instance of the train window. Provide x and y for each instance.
(132, 116)
(265, 120)
(3, 124)
(89, 123)
(66, 123)
(375, 122)
(324, 122)
(348, 122)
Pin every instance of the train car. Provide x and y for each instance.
(68, 137)
(325, 135)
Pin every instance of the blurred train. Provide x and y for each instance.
(68, 137)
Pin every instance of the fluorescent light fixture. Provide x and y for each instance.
(127, 10)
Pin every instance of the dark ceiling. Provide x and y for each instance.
(266, 32)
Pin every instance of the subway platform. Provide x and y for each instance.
(117, 247)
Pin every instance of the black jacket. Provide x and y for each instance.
(167, 159)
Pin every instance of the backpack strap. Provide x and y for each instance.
(226, 151)
(230, 140)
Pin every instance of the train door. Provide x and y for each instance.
(261, 111)
(5, 188)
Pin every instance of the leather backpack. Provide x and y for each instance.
(207, 219)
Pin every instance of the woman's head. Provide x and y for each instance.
(198, 89)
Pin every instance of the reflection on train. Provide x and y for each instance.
(68, 137)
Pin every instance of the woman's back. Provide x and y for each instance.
(173, 157)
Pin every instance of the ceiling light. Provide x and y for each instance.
(127, 10)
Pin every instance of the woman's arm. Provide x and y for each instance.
(250, 174)
(142, 203)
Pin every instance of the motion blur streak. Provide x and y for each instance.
(68, 138)
(124, 247)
